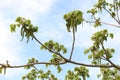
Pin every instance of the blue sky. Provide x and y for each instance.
(48, 16)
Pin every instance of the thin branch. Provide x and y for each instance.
(90, 65)
(108, 58)
(110, 24)
(39, 71)
(103, 23)
(36, 68)
(49, 49)
(113, 64)
(112, 17)
(32, 64)
(73, 62)
(61, 63)
(73, 44)
(117, 12)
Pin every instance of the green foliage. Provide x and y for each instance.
(100, 36)
(97, 23)
(46, 75)
(57, 59)
(92, 11)
(38, 74)
(77, 74)
(73, 19)
(109, 74)
(54, 47)
(30, 63)
(72, 76)
(12, 27)
(103, 6)
(113, 14)
(97, 50)
(27, 29)
(34, 74)
(1, 69)
(111, 35)
(86, 51)
(59, 69)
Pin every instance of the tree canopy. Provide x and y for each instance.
(99, 55)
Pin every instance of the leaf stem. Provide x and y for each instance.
(73, 44)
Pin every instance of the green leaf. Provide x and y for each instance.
(12, 27)
(27, 29)
(113, 14)
(59, 69)
(97, 23)
(90, 56)
(47, 65)
(86, 51)
(92, 11)
(23, 78)
(64, 50)
(112, 50)
(1, 70)
(111, 35)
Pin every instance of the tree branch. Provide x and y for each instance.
(49, 49)
(36, 69)
(73, 44)
(110, 14)
(61, 63)
(108, 58)
(103, 23)
(32, 64)
(72, 62)
(117, 14)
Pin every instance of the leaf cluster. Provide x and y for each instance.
(27, 28)
(54, 47)
(34, 74)
(97, 50)
(103, 6)
(30, 63)
(73, 19)
(57, 59)
(109, 74)
(77, 74)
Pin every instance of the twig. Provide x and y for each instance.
(32, 64)
(112, 17)
(117, 12)
(49, 49)
(103, 23)
(73, 44)
(108, 58)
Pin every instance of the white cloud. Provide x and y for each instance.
(30, 8)
(7, 42)
(25, 8)
(5, 3)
